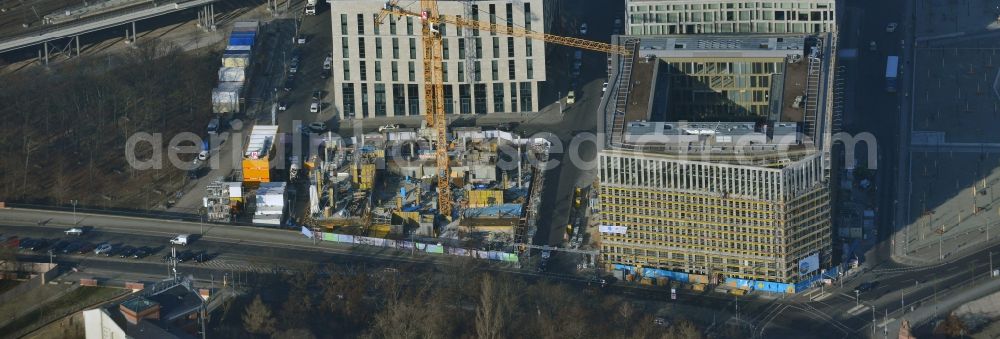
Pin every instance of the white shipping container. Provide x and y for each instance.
(232, 74)
(271, 194)
(226, 97)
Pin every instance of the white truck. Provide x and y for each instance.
(311, 7)
(180, 239)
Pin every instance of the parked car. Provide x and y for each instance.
(201, 257)
(317, 127)
(59, 246)
(141, 252)
(203, 155)
(85, 248)
(866, 286)
(126, 251)
(37, 244)
(328, 63)
(604, 87)
(184, 256)
(75, 231)
(316, 95)
(314, 107)
(73, 247)
(102, 249)
(583, 28)
(282, 105)
(571, 98)
(26, 243)
(213, 126)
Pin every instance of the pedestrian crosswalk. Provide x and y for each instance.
(241, 266)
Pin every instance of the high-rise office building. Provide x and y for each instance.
(646, 17)
(715, 158)
(378, 69)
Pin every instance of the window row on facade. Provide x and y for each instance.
(720, 179)
(452, 49)
(406, 99)
(457, 71)
(364, 23)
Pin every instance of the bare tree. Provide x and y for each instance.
(952, 326)
(257, 318)
(494, 309)
(685, 329)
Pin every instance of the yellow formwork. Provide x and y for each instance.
(484, 198)
(364, 177)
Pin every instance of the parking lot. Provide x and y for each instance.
(95, 245)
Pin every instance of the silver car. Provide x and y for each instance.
(102, 248)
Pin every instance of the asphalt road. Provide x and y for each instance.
(262, 250)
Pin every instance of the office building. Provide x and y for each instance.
(715, 159)
(378, 69)
(651, 17)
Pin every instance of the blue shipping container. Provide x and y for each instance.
(237, 41)
(244, 34)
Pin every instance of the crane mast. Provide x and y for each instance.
(434, 100)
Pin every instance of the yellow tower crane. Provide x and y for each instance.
(434, 75)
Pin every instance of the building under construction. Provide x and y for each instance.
(716, 158)
(384, 185)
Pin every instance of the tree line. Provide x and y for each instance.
(63, 127)
(357, 301)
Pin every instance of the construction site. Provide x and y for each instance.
(385, 185)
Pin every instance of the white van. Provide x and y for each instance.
(181, 239)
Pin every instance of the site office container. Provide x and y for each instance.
(236, 59)
(227, 97)
(232, 74)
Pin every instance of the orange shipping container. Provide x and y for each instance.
(256, 170)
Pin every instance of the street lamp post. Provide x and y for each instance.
(74, 202)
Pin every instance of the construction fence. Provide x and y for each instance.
(410, 246)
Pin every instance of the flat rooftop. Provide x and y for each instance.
(794, 85)
(731, 46)
(640, 90)
(776, 123)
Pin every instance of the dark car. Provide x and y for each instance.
(26, 243)
(72, 247)
(38, 244)
(184, 256)
(126, 251)
(113, 251)
(61, 245)
(85, 248)
(317, 95)
(201, 256)
(867, 286)
(140, 253)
